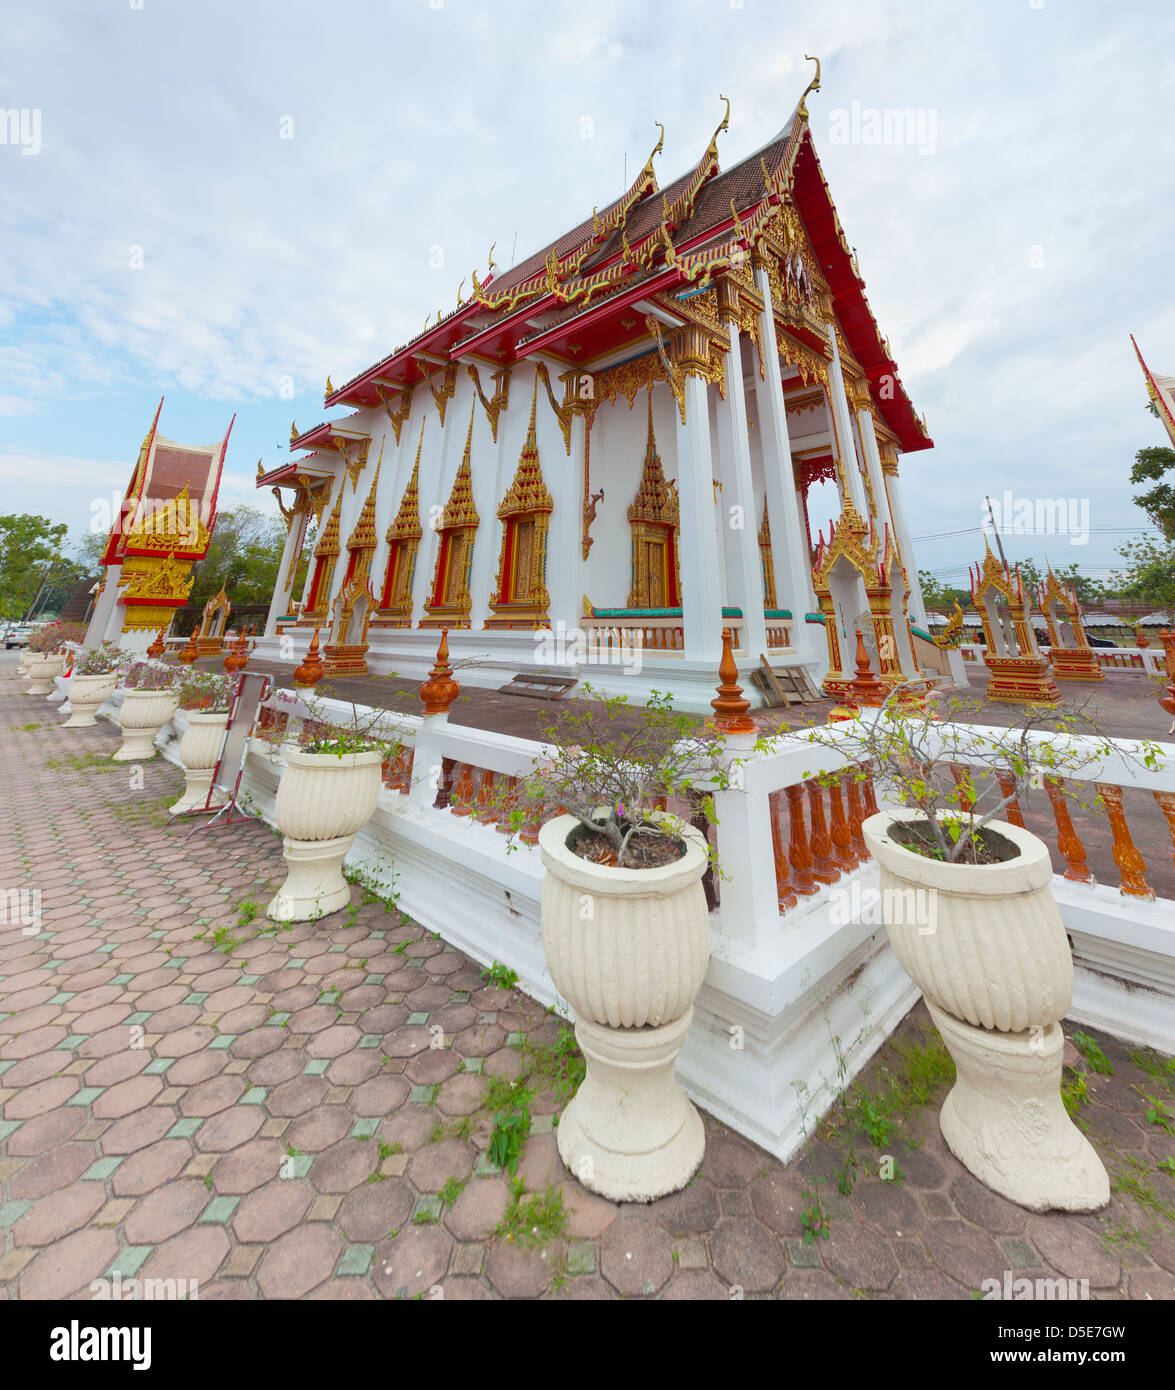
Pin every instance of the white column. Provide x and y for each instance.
(793, 583)
(844, 430)
(905, 545)
(744, 566)
(96, 633)
(701, 597)
(282, 590)
(876, 477)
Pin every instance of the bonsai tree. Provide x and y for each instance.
(937, 760)
(617, 769)
(53, 637)
(363, 731)
(208, 691)
(99, 661)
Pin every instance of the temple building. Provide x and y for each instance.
(617, 438)
(163, 527)
(1161, 390)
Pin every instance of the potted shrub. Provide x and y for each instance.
(625, 928)
(95, 675)
(327, 793)
(45, 657)
(205, 697)
(149, 702)
(969, 910)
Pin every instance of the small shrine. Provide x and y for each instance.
(1072, 657)
(1019, 673)
(163, 528)
(213, 625)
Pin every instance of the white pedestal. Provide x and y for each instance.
(655, 1139)
(314, 886)
(197, 783)
(1005, 1121)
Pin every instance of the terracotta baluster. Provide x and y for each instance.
(486, 811)
(1166, 802)
(798, 854)
(1068, 842)
(508, 805)
(529, 835)
(409, 763)
(842, 836)
(1130, 863)
(962, 780)
(1012, 810)
(462, 803)
(784, 893)
(445, 785)
(856, 816)
(870, 795)
(824, 870)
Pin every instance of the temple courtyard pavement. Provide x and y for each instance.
(188, 1092)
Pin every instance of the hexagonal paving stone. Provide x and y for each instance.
(56, 1216)
(69, 1266)
(272, 1210)
(136, 1131)
(299, 1262)
(42, 1097)
(50, 1172)
(370, 1212)
(151, 1167)
(966, 1254)
(194, 1254)
(127, 1097)
(412, 1263)
(345, 1165)
(432, 1166)
(1075, 1252)
(165, 1213)
(229, 1129)
(298, 1096)
(636, 1255)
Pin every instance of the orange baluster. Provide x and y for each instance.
(798, 853)
(1012, 809)
(485, 798)
(870, 795)
(1130, 863)
(406, 784)
(963, 782)
(783, 889)
(856, 816)
(1068, 842)
(842, 836)
(824, 870)
(445, 784)
(1166, 802)
(462, 803)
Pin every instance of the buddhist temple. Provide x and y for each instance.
(622, 431)
(163, 527)
(1161, 390)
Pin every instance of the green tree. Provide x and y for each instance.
(1150, 466)
(28, 546)
(1149, 573)
(942, 597)
(243, 558)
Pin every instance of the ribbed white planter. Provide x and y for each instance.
(323, 801)
(628, 949)
(43, 669)
(986, 945)
(87, 694)
(142, 715)
(198, 752)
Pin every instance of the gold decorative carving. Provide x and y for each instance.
(653, 518)
(501, 397)
(447, 391)
(520, 595)
(396, 417)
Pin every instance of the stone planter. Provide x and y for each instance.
(628, 949)
(142, 715)
(87, 694)
(198, 753)
(322, 803)
(986, 945)
(43, 669)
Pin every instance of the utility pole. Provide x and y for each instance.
(996, 529)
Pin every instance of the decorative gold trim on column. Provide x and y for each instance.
(520, 597)
(458, 529)
(654, 516)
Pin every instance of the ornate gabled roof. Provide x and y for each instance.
(406, 526)
(363, 532)
(655, 499)
(1161, 390)
(328, 542)
(528, 492)
(459, 509)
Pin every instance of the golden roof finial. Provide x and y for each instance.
(260, 470)
(813, 86)
(493, 265)
(330, 390)
(647, 171)
(460, 287)
(724, 124)
(293, 430)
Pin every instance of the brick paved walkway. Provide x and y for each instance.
(266, 1115)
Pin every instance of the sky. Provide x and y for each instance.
(221, 203)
